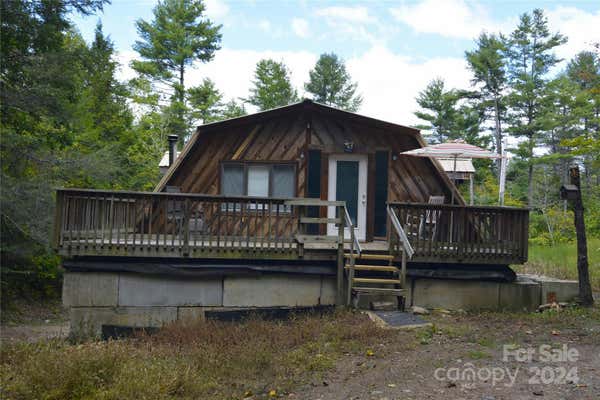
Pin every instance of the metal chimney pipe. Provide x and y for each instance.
(172, 143)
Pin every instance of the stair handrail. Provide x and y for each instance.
(351, 228)
(407, 247)
(354, 245)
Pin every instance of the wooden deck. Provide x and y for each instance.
(139, 224)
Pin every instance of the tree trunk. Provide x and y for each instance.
(498, 132)
(585, 288)
(530, 184)
(181, 100)
(530, 171)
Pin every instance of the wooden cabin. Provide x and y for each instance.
(309, 150)
(302, 190)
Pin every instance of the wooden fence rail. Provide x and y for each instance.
(450, 233)
(120, 223)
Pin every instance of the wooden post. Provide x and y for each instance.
(186, 228)
(58, 219)
(340, 258)
(585, 288)
(403, 270)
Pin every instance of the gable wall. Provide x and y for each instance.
(281, 139)
(411, 179)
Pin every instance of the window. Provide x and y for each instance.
(258, 179)
(232, 180)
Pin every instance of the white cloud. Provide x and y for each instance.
(581, 27)
(300, 27)
(216, 9)
(389, 82)
(357, 14)
(450, 18)
(233, 70)
(350, 23)
(124, 58)
(264, 25)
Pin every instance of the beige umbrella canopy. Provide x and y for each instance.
(453, 149)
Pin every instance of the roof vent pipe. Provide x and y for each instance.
(172, 143)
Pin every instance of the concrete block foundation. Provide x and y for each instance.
(143, 301)
(455, 294)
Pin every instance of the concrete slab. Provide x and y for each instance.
(397, 320)
(271, 291)
(90, 289)
(455, 294)
(137, 290)
(88, 321)
(521, 295)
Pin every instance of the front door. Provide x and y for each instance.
(348, 182)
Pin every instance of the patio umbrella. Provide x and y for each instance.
(454, 149)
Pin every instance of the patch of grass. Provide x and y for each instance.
(202, 359)
(455, 331)
(560, 261)
(425, 335)
(478, 355)
(485, 342)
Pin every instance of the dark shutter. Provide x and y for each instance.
(313, 186)
(381, 192)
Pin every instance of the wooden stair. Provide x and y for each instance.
(373, 274)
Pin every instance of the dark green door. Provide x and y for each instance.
(347, 187)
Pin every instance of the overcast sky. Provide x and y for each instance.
(392, 48)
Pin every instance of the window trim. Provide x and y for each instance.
(247, 163)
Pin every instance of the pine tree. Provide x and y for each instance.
(178, 36)
(584, 72)
(488, 66)
(271, 86)
(530, 57)
(103, 115)
(331, 84)
(205, 102)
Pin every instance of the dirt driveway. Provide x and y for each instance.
(464, 357)
(33, 332)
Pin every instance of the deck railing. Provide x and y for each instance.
(450, 233)
(96, 222)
